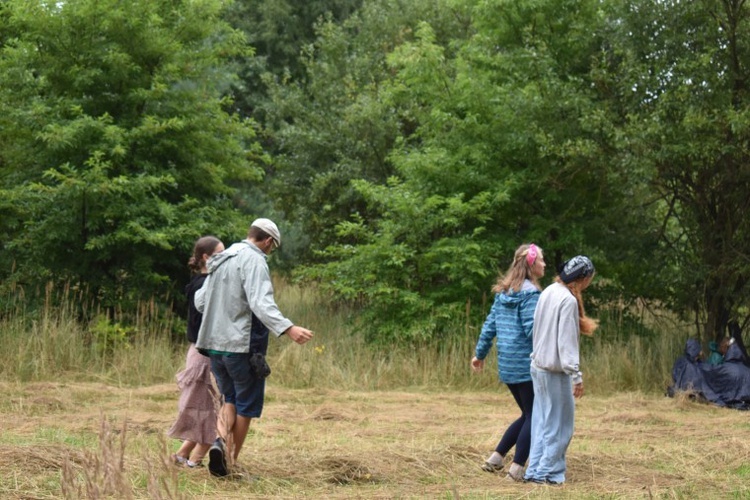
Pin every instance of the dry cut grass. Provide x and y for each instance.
(99, 441)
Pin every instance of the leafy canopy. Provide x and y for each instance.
(116, 147)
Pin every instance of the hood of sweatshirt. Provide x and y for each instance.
(692, 349)
(219, 259)
(515, 299)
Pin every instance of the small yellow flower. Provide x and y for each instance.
(320, 348)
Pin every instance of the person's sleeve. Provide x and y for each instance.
(489, 331)
(527, 313)
(567, 340)
(259, 292)
(199, 299)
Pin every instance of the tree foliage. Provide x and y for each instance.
(500, 140)
(116, 149)
(680, 70)
(412, 146)
(608, 128)
(331, 127)
(278, 30)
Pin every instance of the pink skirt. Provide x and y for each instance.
(196, 420)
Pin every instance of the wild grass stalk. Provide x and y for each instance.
(623, 356)
(104, 472)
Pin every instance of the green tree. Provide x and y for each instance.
(116, 149)
(502, 139)
(330, 126)
(281, 33)
(278, 30)
(680, 71)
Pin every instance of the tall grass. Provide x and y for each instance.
(139, 350)
(52, 343)
(636, 363)
(622, 356)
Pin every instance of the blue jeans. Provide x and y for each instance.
(551, 425)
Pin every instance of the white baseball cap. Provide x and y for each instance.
(269, 227)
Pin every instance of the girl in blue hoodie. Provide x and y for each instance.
(511, 321)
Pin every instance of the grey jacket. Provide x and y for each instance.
(238, 285)
(556, 331)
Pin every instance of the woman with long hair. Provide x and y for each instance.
(196, 421)
(558, 321)
(510, 321)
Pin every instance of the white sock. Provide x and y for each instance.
(496, 458)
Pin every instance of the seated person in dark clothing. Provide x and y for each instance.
(730, 381)
(727, 384)
(718, 350)
(735, 332)
(686, 376)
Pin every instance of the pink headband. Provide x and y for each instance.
(531, 254)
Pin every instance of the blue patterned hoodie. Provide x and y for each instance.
(511, 320)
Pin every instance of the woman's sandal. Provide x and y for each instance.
(516, 472)
(490, 467)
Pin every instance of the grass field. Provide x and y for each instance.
(91, 440)
(84, 411)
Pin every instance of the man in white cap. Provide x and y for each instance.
(238, 312)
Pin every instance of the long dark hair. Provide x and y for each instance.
(204, 245)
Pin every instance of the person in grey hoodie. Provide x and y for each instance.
(239, 309)
(510, 321)
(558, 320)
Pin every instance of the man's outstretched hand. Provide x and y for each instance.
(299, 334)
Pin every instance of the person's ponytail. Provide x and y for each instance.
(586, 325)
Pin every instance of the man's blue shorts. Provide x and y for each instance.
(238, 384)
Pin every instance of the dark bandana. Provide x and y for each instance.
(579, 266)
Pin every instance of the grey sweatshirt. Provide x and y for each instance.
(556, 329)
(238, 285)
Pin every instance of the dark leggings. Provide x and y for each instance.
(519, 432)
